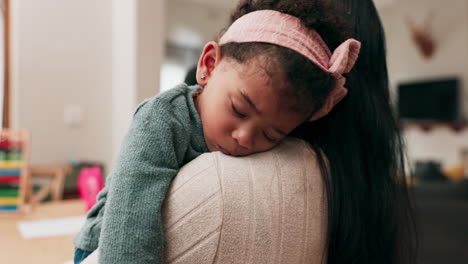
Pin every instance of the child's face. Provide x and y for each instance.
(242, 111)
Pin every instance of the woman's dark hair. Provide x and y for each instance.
(370, 217)
(191, 76)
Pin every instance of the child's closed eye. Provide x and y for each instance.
(237, 112)
(269, 138)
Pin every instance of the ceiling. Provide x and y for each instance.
(232, 3)
(215, 3)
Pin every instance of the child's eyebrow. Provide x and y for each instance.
(247, 98)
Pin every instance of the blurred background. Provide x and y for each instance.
(76, 70)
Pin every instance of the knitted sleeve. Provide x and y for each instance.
(150, 157)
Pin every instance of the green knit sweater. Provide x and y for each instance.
(126, 223)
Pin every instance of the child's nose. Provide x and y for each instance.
(244, 137)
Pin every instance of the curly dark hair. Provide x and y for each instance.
(303, 82)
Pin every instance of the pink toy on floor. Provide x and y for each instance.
(89, 184)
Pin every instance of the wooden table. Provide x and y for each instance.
(57, 250)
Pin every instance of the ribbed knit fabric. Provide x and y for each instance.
(265, 208)
(165, 134)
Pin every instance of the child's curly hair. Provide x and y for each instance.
(302, 81)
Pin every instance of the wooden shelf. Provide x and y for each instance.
(427, 126)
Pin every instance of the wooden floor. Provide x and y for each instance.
(443, 229)
(54, 250)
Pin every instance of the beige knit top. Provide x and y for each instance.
(263, 208)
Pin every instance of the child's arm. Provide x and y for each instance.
(150, 157)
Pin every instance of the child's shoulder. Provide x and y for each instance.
(174, 93)
(170, 99)
(181, 91)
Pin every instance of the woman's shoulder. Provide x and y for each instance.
(276, 197)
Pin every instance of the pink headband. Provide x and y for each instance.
(274, 27)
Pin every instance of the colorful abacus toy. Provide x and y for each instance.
(13, 169)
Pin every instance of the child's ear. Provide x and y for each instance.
(209, 59)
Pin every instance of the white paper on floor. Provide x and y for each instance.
(51, 227)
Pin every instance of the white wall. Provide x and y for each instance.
(61, 55)
(190, 17)
(190, 24)
(124, 68)
(441, 144)
(138, 48)
(450, 31)
(100, 56)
